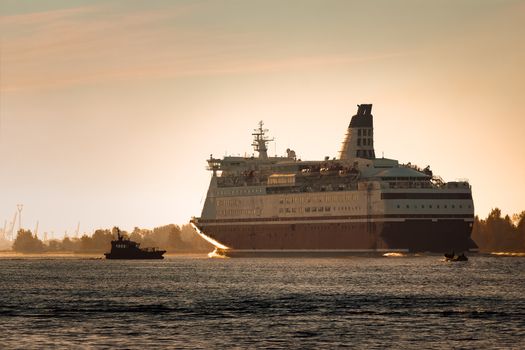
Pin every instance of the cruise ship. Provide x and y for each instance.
(353, 203)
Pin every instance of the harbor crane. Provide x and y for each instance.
(36, 230)
(9, 234)
(19, 207)
(78, 229)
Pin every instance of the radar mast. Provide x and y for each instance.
(260, 141)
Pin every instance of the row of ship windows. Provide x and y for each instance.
(240, 191)
(318, 199)
(429, 206)
(300, 210)
(325, 209)
(364, 132)
(233, 212)
(295, 200)
(315, 209)
(228, 202)
(366, 142)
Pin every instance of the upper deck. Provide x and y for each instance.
(357, 169)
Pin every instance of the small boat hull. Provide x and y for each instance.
(135, 256)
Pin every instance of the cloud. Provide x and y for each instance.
(97, 44)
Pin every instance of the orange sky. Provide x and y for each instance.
(108, 109)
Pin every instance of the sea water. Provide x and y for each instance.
(198, 302)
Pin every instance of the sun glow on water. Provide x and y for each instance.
(394, 255)
(507, 254)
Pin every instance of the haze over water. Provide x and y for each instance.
(109, 109)
(195, 302)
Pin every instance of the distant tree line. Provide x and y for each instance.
(500, 234)
(493, 234)
(172, 238)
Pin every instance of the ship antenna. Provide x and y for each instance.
(260, 141)
(119, 237)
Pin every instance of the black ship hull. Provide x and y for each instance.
(140, 255)
(410, 235)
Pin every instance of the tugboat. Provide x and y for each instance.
(453, 257)
(123, 248)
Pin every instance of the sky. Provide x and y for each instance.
(109, 109)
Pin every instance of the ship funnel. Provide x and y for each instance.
(359, 138)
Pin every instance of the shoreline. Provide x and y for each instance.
(11, 254)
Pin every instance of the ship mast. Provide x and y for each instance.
(260, 141)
